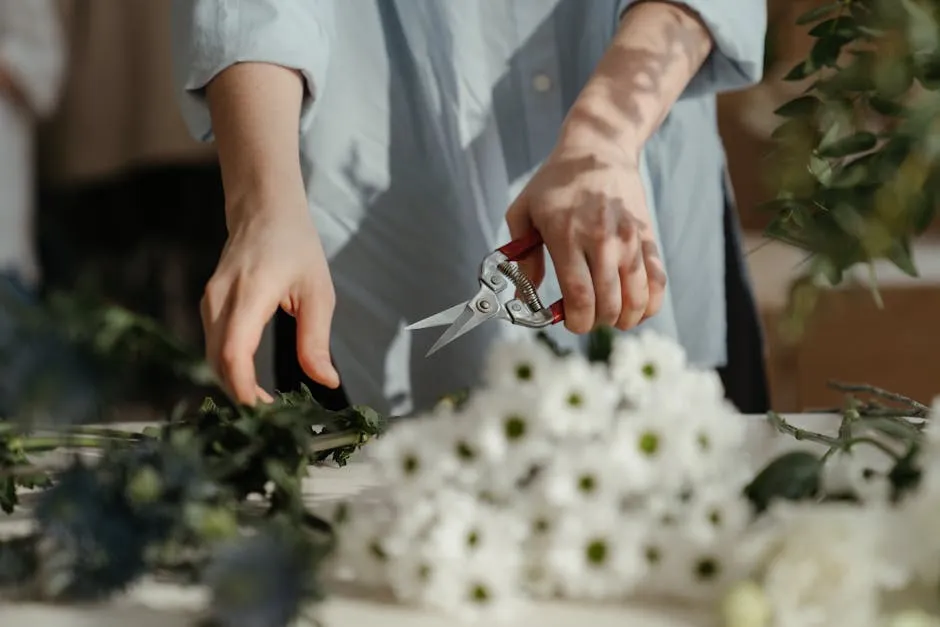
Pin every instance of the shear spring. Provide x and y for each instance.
(527, 290)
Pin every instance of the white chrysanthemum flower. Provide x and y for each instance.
(914, 543)
(362, 553)
(823, 565)
(585, 474)
(580, 403)
(845, 472)
(406, 455)
(521, 364)
(515, 416)
(684, 570)
(638, 362)
(595, 553)
(653, 450)
(464, 526)
(716, 511)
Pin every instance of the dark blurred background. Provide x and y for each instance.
(129, 208)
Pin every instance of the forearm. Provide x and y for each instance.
(656, 51)
(255, 110)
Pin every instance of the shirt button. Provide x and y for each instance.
(542, 83)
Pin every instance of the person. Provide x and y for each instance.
(372, 152)
(32, 62)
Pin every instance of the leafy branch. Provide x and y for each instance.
(178, 497)
(856, 162)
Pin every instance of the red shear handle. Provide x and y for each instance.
(558, 311)
(521, 248)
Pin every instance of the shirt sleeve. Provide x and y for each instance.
(32, 51)
(211, 35)
(738, 28)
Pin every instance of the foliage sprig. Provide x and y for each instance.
(857, 157)
(212, 493)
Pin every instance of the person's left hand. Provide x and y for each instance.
(589, 205)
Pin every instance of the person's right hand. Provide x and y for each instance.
(273, 257)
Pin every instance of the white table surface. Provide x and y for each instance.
(152, 604)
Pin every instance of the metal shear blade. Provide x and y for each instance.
(463, 318)
(448, 316)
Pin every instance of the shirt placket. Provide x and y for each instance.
(537, 67)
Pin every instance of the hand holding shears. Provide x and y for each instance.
(498, 272)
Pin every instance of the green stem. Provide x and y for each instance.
(41, 444)
(884, 448)
(919, 408)
(340, 439)
(800, 434)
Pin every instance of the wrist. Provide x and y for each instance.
(586, 127)
(264, 197)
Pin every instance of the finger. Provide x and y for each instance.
(263, 395)
(634, 289)
(520, 224)
(655, 276)
(604, 262)
(314, 314)
(251, 310)
(577, 287)
(213, 310)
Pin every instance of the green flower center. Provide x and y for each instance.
(515, 427)
(465, 452)
(587, 484)
(410, 464)
(653, 555)
(524, 372)
(479, 593)
(704, 442)
(714, 517)
(707, 568)
(473, 539)
(575, 400)
(596, 552)
(649, 443)
(649, 370)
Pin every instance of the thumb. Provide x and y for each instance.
(520, 224)
(314, 314)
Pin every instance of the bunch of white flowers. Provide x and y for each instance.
(558, 478)
(875, 563)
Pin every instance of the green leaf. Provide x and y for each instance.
(900, 256)
(821, 169)
(800, 107)
(844, 27)
(817, 13)
(928, 71)
(893, 76)
(885, 106)
(793, 476)
(799, 72)
(851, 175)
(825, 52)
(601, 344)
(859, 142)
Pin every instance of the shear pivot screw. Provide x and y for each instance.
(484, 305)
(515, 307)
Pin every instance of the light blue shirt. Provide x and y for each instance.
(427, 117)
